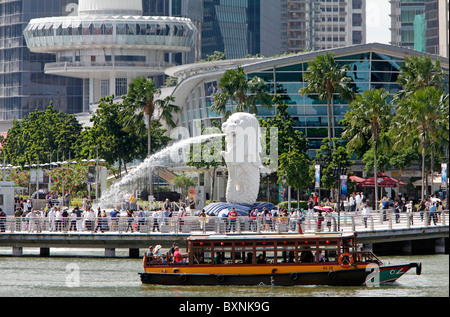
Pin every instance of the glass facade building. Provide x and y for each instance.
(24, 87)
(372, 66)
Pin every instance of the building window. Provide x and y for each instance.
(121, 86)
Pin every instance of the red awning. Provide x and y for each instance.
(383, 181)
(357, 179)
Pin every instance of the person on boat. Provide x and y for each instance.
(218, 258)
(149, 254)
(261, 259)
(307, 256)
(249, 259)
(177, 256)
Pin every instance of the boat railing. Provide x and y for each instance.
(165, 260)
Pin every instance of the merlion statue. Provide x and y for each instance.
(243, 146)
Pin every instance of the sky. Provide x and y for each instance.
(378, 21)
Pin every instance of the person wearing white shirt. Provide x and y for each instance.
(51, 217)
(358, 201)
(59, 219)
(366, 214)
(409, 212)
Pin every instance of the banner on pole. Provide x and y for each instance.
(317, 176)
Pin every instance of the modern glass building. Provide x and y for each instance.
(24, 87)
(372, 66)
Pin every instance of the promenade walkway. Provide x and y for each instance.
(347, 222)
(135, 233)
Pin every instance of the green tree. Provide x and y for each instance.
(421, 117)
(325, 77)
(108, 136)
(207, 157)
(293, 160)
(43, 135)
(243, 94)
(141, 102)
(417, 73)
(331, 159)
(370, 115)
(184, 182)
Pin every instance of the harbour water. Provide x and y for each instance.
(66, 274)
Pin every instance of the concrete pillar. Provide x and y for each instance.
(17, 251)
(134, 253)
(440, 246)
(407, 247)
(44, 252)
(110, 252)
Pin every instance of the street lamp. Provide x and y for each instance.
(337, 172)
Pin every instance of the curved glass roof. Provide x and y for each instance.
(54, 34)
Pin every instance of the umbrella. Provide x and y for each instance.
(326, 208)
(357, 179)
(383, 181)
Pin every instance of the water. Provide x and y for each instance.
(116, 191)
(65, 275)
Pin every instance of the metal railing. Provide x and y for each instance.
(347, 222)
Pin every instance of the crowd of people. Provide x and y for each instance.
(56, 218)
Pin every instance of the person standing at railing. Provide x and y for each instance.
(130, 218)
(409, 212)
(232, 217)
(51, 219)
(2, 220)
(79, 219)
(365, 214)
(252, 225)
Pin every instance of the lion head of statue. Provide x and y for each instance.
(243, 139)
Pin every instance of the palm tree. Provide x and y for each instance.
(417, 73)
(325, 78)
(140, 102)
(422, 115)
(245, 94)
(369, 117)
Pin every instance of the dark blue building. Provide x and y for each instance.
(24, 87)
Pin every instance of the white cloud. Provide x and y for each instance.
(378, 21)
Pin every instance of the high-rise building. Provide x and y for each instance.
(421, 25)
(437, 27)
(237, 27)
(325, 24)
(24, 87)
(406, 15)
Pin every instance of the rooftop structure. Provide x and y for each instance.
(109, 43)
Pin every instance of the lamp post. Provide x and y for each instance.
(337, 172)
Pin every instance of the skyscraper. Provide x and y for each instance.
(24, 87)
(237, 27)
(403, 15)
(325, 24)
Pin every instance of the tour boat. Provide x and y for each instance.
(282, 260)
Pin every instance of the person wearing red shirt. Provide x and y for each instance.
(232, 217)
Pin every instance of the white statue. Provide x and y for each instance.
(243, 146)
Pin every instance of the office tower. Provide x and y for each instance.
(437, 27)
(325, 24)
(405, 16)
(24, 87)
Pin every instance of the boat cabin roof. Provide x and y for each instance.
(269, 237)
